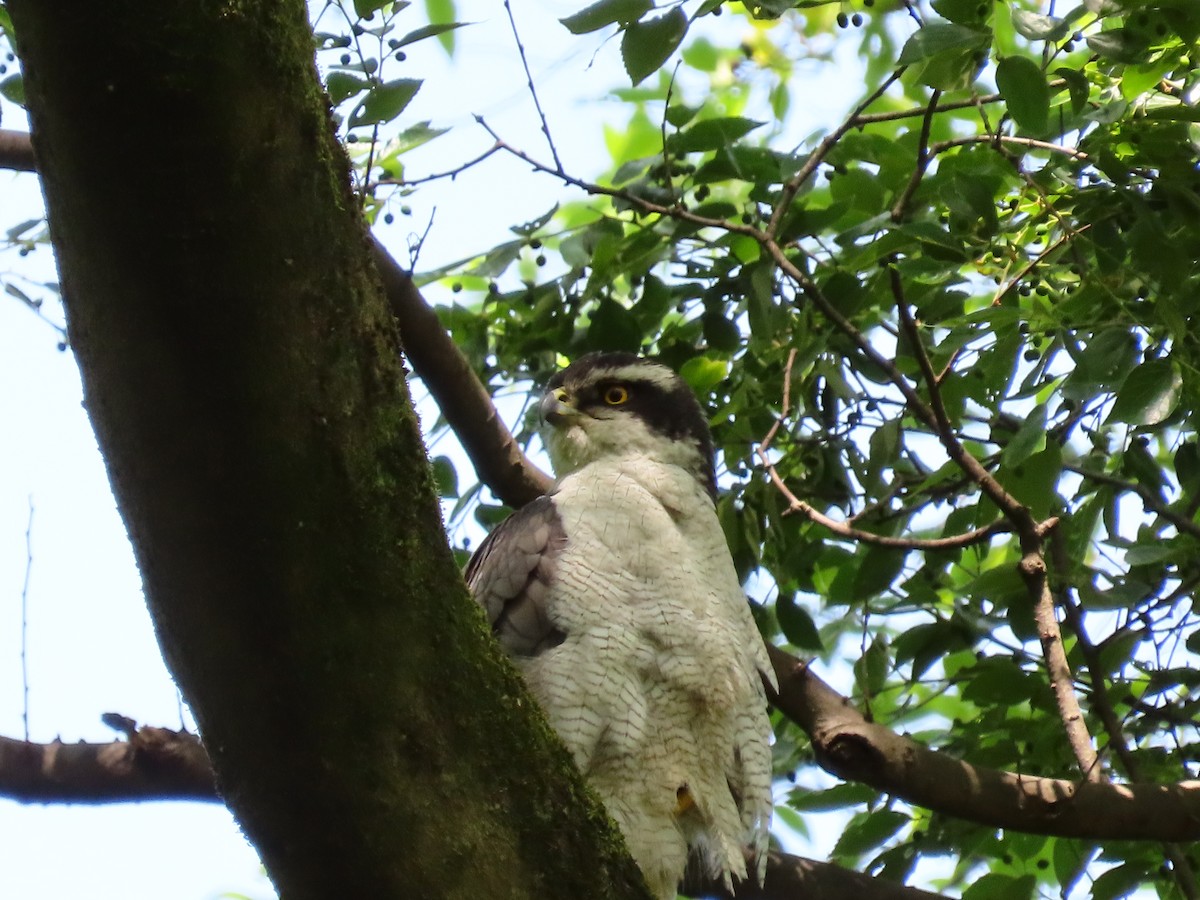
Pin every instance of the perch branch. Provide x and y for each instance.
(850, 747)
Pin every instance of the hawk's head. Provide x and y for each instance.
(616, 404)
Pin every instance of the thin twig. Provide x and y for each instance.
(662, 128)
(924, 154)
(795, 504)
(1017, 279)
(916, 111)
(25, 620)
(818, 155)
(1028, 143)
(558, 166)
(436, 176)
(1147, 496)
(909, 326)
(677, 211)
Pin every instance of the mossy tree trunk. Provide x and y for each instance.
(240, 370)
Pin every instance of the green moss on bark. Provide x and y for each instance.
(241, 371)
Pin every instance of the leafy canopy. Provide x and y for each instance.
(949, 333)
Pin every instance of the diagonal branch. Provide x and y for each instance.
(463, 400)
(850, 747)
(1032, 566)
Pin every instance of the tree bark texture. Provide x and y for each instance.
(240, 370)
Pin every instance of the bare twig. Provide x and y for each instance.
(1027, 143)
(909, 326)
(641, 204)
(1033, 569)
(1150, 501)
(900, 207)
(437, 176)
(152, 764)
(918, 111)
(788, 194)
(25, 621)
(558, 166)
(16, 151)
(844, 529)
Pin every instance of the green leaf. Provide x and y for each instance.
(879, 567)
(12, 89)
(606, 12)
(489, 515)
(1077, 86)
(1102, 365)
(1037, 27)
(445, 476)
(1023, 86)
(426, 31)
(703, 373)
(1033, 481)
(1033, 26)
(996, 680)
(1030, 438)
(797, 624)
(385, 102)
(946, 56)
(1119, 45)
(364, 8)
(720, 333)
(867, 831)
(342, 85)
(964, 12)
(995, 886)
(871, 669)
(613, 327)
(711, 134)
(837, 797)
(646, 45)
(940, 37)
(1119, 882)
(1149, 395)
(1187, 467)
(438, 12)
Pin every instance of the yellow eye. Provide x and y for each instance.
(616, 395)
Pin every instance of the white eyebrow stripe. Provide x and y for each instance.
(658, 375)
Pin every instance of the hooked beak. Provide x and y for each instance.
(556, 407)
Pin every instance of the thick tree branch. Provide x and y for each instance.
(850, 747)
(160, 764)
(16, 151)
(152, 764)
(793, 877)
(240, 369)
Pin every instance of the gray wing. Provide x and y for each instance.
(511, 573)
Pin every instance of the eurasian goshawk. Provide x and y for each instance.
(617, 597)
